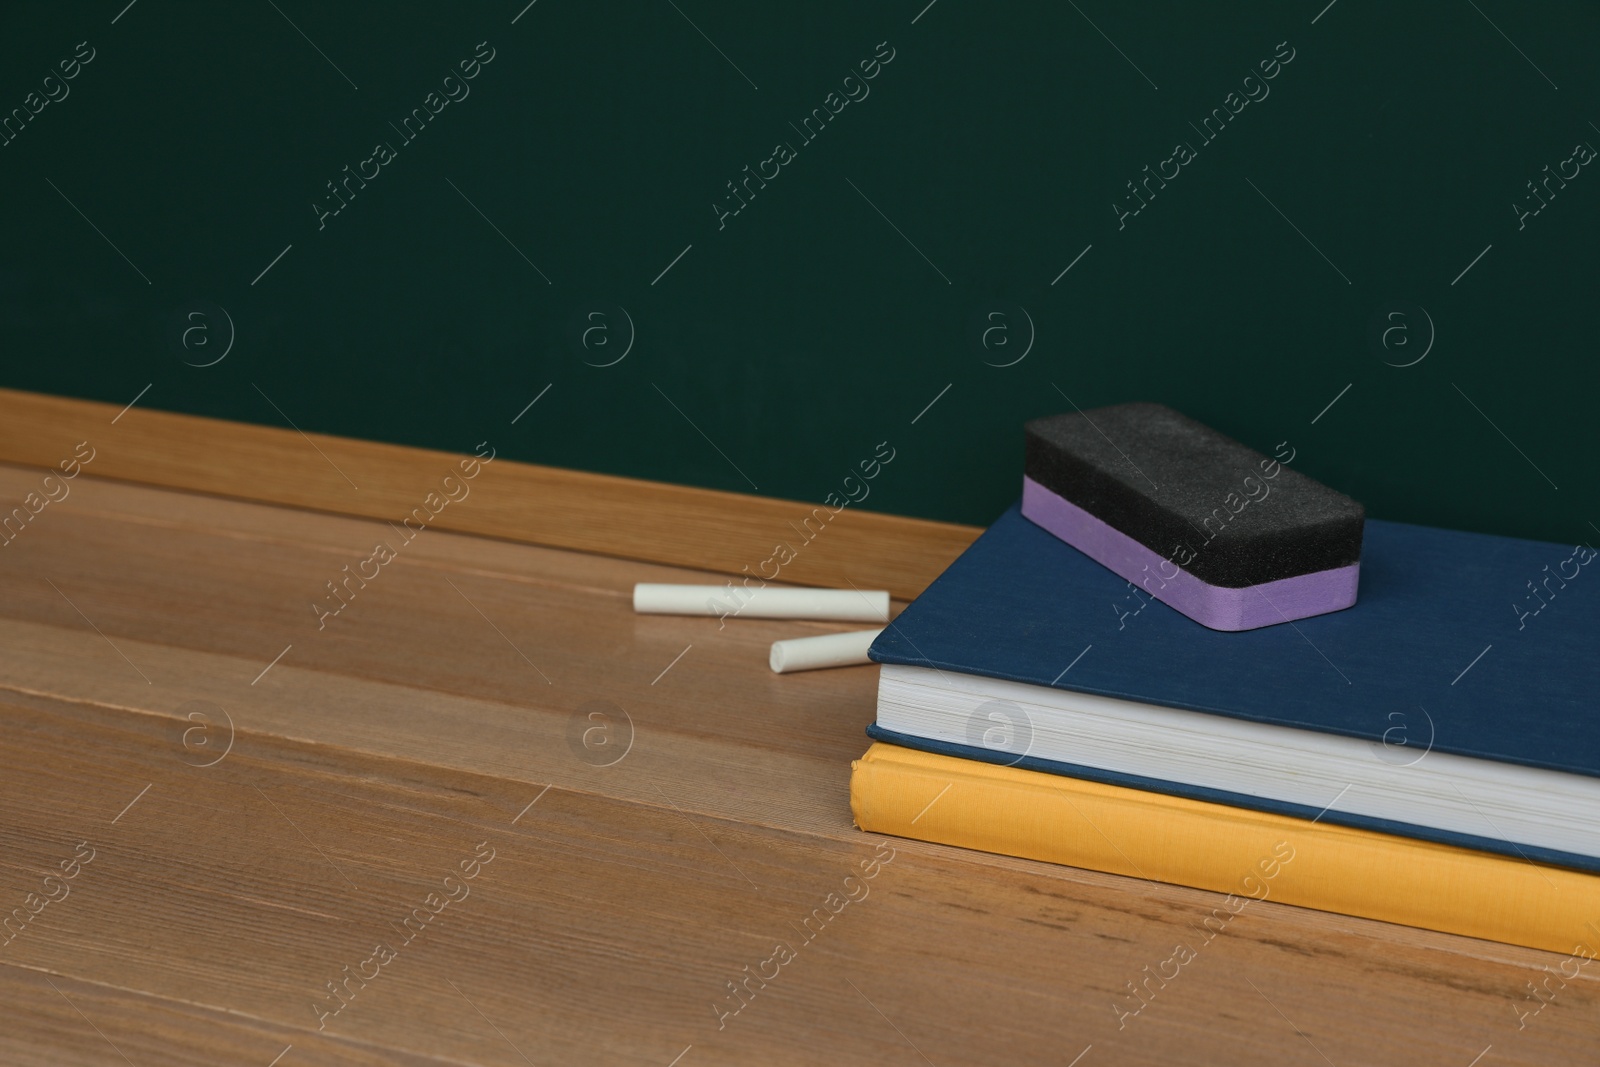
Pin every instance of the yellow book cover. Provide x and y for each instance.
(1246, 854)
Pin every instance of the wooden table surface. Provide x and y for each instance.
(263, 802)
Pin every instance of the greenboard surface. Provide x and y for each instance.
(952, 252)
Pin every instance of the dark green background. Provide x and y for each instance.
(808, 330)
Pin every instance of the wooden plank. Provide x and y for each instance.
(375, 755)
(603, 930)
(678, 525)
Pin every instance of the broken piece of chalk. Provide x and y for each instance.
(828, 650)
(763, 602)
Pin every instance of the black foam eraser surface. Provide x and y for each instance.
(1225, 513)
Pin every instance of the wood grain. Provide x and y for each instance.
(678, 525)
(451, 693)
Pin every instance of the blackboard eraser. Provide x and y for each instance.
(1233, 539)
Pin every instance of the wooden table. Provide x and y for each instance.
(265, 802)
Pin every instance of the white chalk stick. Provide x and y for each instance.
(762, 602)
(829, 650)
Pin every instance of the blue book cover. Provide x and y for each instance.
(1487, 647)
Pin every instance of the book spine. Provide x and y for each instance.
(1246, 854)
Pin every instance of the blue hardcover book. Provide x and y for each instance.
(1455, 702)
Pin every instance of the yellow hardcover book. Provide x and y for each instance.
(1248, 854)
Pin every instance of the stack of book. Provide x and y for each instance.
(1430, 756)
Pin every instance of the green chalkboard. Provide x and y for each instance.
(743, 246)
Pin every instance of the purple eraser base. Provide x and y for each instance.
(1218, 607)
